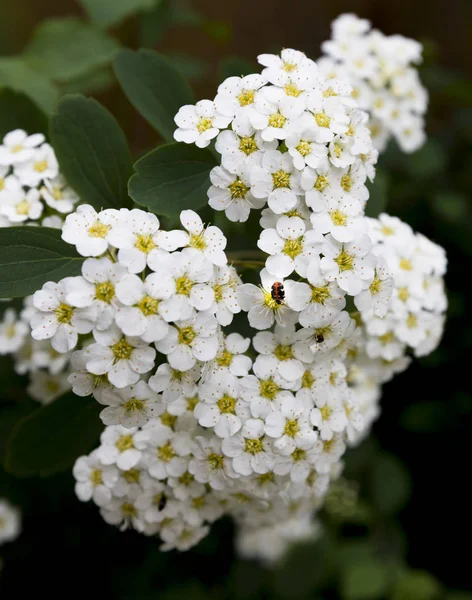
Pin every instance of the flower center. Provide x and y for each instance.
(291, 428)
(10, 331)
(2, 183)
(375, 286)
(346, 182)
(192, 403)
(64, 313)
(307, 380)
(292, 90)
(224, 359)
(198, 241)
(216, 461)
(298, 454)
(41, 166)
(304, 147)
(411, 321)
(198, 502)
(337, 149)
(289, 67)
(186, 479)
(293, 248)
(227, 405)
(128, 510)
(319, 295)
(183, 285)
(238, 189)
(321, 183)
(277, 120)
(134, 405)
(329, 92)
(350, 131)
(124, 442)
(23, 207)
(322, 119)
(105, 292)
(386, 338)
(248, 145)
(204, 124)
(99, 380)
(253, 446)
(328, 445)
(265, 478)
(403, 294)
(145, 243)
(218, 291)
(96, 477)
(122, 350)
(187, 335)
(132, 475)
(387, 230)
(148, 306)
(99, 230)
(268, 389)
(345, 261)
(165, 452)
(246, 97)
(16, 149)
(405, 264)
(339, 218)
(271, 302)
(325, 412)
(57, 193)
(168, 420)
(283, 352)
(281, 179)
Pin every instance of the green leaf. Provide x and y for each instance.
(65, 49)
(188, 66)
(153, 23)
(17, 111)
(172, 178)
(92, 151)
(92, 82)
(416, 584)
(378, 198)
(31, 256)
(154, 87)
(17, 74)
(110, 12)
(234, 66)
(391, 485)
(364, 580)
(50, 439)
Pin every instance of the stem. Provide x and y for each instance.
(249, 264)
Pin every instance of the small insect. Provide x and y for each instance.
(319, 338)
(278, 292)
(162, 502)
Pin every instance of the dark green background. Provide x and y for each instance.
(412, 515)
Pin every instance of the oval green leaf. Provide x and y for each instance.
(50, 439)
(17, 111)
(172, 178)
(110, 12)
(30, 256)
(153, 86)
(92, 151)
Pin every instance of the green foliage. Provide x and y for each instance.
(234, 66)
(18, 111)
(153, 23)
(30, 256)
(92, 151)
(189, 67)
(18, 74)
(110, 12)
(46, 441)
(365, 580)
(171, 178)
(378, 198)
(391, 484)
(419, 585)
(66, 49)
(154, 87)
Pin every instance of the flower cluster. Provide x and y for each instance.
(10, 522)
(32, 191)
(385, 81)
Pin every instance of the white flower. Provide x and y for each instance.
(124, 512)
(250, 449)
(121, 447)
(173, 383)
(342, 217)
(10, 522)
(350, 265)
(131, 406)
(13, 332)
(277, 180)
(274, 112)
(53, 221)
(225, 282)
(221, 406)
(18, 147)
(147, 306)
(94, 481)
(57, 320)
(298, 464)
(45, 387)
(88, 230)
(291, 247)
(208, 240)
(328, 416)
(189, 341)
(167, 452)
(210, 465)
(58, 195)
(320, 185)
(304, 149)
(263, 309)
(289, 425)
(121, 357)
(84, 383)
(377, 295)
(42, 165)
(280, 68)
(231, 192)
(199, 124)
(330, 451)
(327, 337)
(242, 149)
(20, 206)
(231, 357)
(236, 93)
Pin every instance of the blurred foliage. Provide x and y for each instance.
(390, 526)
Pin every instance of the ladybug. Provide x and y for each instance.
(278, 292)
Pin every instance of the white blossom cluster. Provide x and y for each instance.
(32, 191)
(10, 522)
(382, 72)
